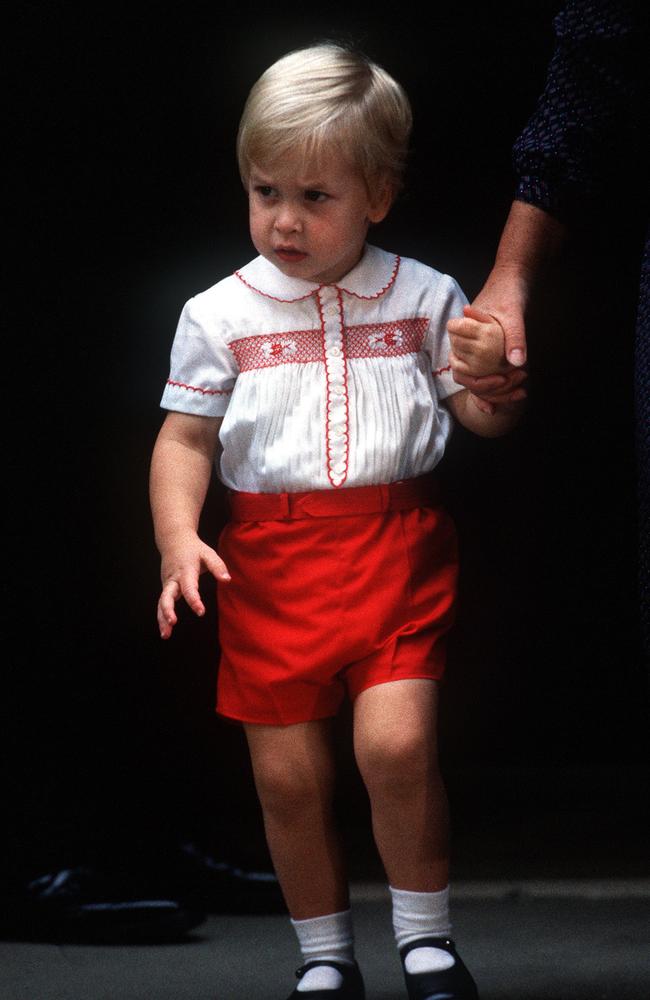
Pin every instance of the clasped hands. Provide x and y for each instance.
(478, 360)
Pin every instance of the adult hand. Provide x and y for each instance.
(530, 237)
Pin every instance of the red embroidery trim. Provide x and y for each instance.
(266, 295)
(319, 306)
(398, 261)
(441, 371)
(385, 340)
(195, 388)
(301, 298)
(346, 396)
(272, 349)
(328, 403)
(367, 340)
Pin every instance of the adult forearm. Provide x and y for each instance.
(530, 237)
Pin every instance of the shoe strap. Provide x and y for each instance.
(442, 943)
(342, 967)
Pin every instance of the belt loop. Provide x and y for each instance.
(384, 494)
(284, 502)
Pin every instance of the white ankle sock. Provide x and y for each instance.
(417, 915)
(325, 938)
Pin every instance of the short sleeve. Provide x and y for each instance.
(203, 368)
(448, 303)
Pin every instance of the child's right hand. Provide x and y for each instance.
(477, 344)
(477, 352)
(183, 562)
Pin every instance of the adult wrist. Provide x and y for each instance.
(531, 236)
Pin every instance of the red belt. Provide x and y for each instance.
(402, 495)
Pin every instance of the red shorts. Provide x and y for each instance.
(321, 602)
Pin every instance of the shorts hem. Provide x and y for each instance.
(246, 719)
(438, 676)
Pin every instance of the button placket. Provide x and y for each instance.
(336, 416)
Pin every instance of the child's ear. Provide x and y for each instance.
(380, 201)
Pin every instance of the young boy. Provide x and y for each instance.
(324, 369)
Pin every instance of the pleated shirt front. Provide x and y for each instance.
(320, 386)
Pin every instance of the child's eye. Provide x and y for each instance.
(315, 195)
(265, 190)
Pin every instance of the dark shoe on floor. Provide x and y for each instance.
(454, 983)
(352, 987)
(216, 886)
(82, 904)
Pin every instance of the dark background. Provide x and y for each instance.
(127, 201)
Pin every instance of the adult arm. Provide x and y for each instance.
(579, 145)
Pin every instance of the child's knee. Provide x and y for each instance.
(287, 787)
(396, 761)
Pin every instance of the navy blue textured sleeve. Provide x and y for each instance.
(582, 150)
(586, 131)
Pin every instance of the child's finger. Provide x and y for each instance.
(165, 627)
(471, 312)
(190, 591)
(504, 395)
(166, 615)
(463, 327)
(479, 383)
(216, 566)
(483, 404)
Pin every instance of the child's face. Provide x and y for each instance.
(311, 220)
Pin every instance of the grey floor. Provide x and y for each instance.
(523, 941)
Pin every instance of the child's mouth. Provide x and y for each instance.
(289, 255)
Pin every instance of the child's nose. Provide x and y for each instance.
(287, 219)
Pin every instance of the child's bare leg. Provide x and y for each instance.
(294, 775)
(395, 736)
(395, 731)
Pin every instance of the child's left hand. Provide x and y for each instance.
(477, 344)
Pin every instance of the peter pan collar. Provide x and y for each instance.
(370, 278)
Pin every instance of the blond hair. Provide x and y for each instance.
(322, 95)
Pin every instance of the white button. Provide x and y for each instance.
(339, 468)
(338, 390)
(331, 310)
(334, 352)
(339, 432)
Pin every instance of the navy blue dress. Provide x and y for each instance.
(585, 142)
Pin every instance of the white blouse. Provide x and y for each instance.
(320, 386)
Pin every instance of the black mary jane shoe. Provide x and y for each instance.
(454, 983)
(351, 988)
